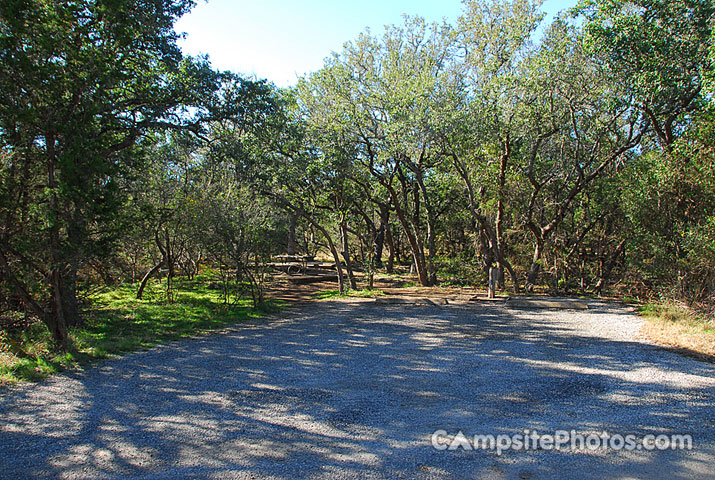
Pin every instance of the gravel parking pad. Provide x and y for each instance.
(344, 389)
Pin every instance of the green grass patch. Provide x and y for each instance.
(673, 313)
(361, 293)
(666, 311)
(116, 322)
(679, 326)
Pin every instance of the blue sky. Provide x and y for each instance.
(281, 40)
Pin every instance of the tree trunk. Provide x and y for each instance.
(170, 265)
(70, 305)
(380, 234)
(431, 218)
(415, 247)
(535, 264)
(331, 244)
(482, 220)
(486, 250)
(57, 322)
(410, 227)
(607, 267)
(146, 278)
(336, 257)
(390, 267)
(492, 281)
(346, 254)
(499, 225)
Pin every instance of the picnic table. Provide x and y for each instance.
(292, 263)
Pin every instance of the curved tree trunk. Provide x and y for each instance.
(336, 257)
(331, 246)
(431, 248)
(146, 278)
(164, 260)
(380, 239)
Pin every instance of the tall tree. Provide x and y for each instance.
(585, 126)
(662, 57)
(80, 83)
(380, 97)
(485, 118)
(660, 51)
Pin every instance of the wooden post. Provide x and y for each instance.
(492, 281)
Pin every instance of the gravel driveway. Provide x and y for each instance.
(357, 389)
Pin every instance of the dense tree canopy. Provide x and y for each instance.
(571, 156)
(81, 83)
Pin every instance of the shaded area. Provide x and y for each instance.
(117, 322)
(355, 390)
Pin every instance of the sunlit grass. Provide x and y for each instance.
(678, 326)
(116, 322)
(360, 293)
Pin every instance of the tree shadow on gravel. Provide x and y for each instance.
(342, 390)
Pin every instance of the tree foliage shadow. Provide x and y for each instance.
(337, 389)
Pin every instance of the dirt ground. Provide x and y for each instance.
(283, 289)
(671, 336)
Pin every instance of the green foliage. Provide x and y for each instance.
(118, 323)
(80, 83)
(659, 49)
(669, 312)
(670, 201)
(460, 270)
(360, 293)
(657, 44)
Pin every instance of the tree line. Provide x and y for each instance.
(574, 155)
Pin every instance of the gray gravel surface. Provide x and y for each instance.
(356, 389)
